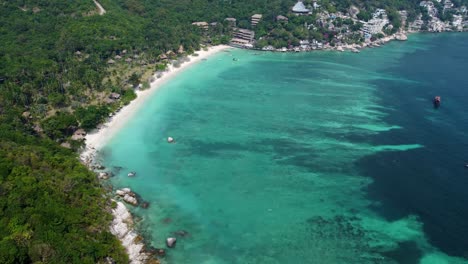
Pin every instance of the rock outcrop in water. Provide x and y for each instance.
(144, 205)
(128, 196)
(181, 233)
(103, 175)
(122, 223)
(171, 242)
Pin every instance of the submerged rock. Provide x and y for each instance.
(181, 233)
(145, 205)
(157, 252)
(171, 242)
(167, 220)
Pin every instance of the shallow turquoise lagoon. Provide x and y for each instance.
(303, 158)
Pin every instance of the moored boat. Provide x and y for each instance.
(436, 101)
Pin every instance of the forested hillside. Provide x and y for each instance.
(59, 62)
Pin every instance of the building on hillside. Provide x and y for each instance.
(403, 17)
(281, 18)
(431, 9)
(300, 9)
(426, 4)
(114, 96)
(244, 34)
(202, 25)
(79, 134)
(255, 19)
(315, 5)
(379, 13)
(448, 4)
(231, 21)
(374, 26)
(416, 25)
(463, 9)
(458, 22)
(304, 44)
(242, 37)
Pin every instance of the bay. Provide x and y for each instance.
(306, 158)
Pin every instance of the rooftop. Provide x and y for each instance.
(280, 17)
(299, 7)
(200, 24)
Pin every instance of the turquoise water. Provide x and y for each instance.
(286, 158)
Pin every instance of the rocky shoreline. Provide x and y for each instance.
(122, 225)
(400, 36)
(122, 228)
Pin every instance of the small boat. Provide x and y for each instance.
(235, 59)
(436, 101)
(131, 174)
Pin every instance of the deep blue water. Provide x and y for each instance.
(430, 182)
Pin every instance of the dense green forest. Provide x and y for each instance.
(51, 206)
(55, 74)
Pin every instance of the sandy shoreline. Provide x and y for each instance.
(121, 225)
(98, 138)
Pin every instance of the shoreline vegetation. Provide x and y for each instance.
(122, 224)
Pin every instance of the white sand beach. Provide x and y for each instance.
(98, 138)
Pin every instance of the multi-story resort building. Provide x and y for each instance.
(243, 38)
(255, 19)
